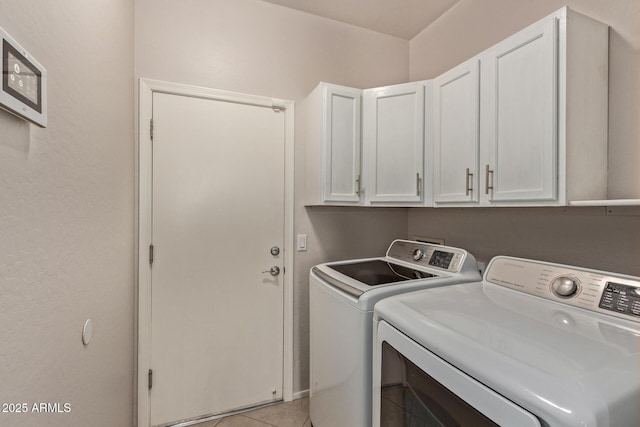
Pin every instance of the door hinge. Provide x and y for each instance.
(150, 379)
(150, 254)
(151, 129)
(278, 105)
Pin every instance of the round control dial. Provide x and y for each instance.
(565, 287)
(418, 254)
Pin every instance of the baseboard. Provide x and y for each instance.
(300, 394)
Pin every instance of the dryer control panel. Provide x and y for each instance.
(621, 298)
(608, 293)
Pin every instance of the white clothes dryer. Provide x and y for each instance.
(533, 344)
(342, 297)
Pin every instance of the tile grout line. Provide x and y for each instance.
(260, 421)
(282, 404)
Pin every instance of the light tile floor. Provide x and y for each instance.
(289, 414)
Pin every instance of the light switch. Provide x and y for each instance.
(302, 243)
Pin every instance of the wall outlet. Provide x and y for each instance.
(431, 240)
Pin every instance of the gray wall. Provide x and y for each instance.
(66, 218)
(587, 237)
(601, 238)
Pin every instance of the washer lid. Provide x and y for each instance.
(379, 272)
(566, 365)
(358, 278)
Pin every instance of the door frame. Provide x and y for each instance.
(144, 209)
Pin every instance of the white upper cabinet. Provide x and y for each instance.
(524, 123)
(333, 145)
(456, 140)
(519, 115)
(393, 139)
(542, 115)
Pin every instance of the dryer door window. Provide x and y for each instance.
(419, 400)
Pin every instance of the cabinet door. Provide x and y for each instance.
(394, 140)
(519, 116)
(456, 134)
(341, 144)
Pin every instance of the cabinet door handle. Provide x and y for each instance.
(469, 188)
(358, 186)
(418, 184)
(487, 180)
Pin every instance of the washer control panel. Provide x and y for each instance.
(418, 254)
(608, 293)
(439, 257)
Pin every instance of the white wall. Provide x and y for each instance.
(66, 218)
(250, 46)
(585, 237)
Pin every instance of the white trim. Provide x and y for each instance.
(146, 89)
(612, 202)
(144, 239)
(301, 394)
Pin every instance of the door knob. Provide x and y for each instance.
(274, 271)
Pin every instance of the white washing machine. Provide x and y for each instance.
(533, 344)
(342, 296)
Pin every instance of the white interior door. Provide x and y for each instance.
(217, 210)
